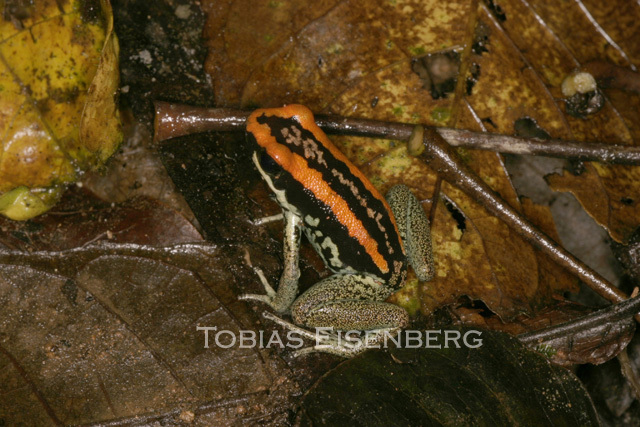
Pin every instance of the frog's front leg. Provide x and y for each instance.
(348, 302)
(281, 300)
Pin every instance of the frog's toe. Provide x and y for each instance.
(267, 287)
(332, 346)
(324, 342)
(278, 301)
(267, 299)
(267, 219)
(290, 326)
(344, 347)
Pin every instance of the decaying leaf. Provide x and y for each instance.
(568, 333)
(111, 325)
(366, 69)
(80, 219)
(610, 194)
(59, 79)
(498, 383)
(110, 333)
(595, 338)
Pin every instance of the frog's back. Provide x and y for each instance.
(345, 218)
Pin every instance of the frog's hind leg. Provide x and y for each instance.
(349, 302)
(414, 229)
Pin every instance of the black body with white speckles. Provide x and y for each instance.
(341, 252)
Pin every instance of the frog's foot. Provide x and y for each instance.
(269, 298)
(342, 346)
(290, 326)
(335, 344)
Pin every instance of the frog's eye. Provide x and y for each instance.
(268, 164)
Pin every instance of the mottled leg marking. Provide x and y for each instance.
(348, 302)
(339, 287)
(281, 300)
(414, 229)
(348, 315)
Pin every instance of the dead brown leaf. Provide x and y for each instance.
(85, 338)
(355, 59)
(113, 327)
(82, 219)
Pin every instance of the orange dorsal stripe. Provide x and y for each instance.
(312, 179)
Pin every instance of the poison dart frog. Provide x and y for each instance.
(365, 240)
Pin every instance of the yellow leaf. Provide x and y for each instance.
(58, 87)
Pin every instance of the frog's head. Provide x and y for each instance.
(275, 135)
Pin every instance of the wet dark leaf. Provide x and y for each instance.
(498, 383)
(82, 219)
(593, 343)
(109, 333)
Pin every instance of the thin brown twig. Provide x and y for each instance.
(605, 316)
(173, 120)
